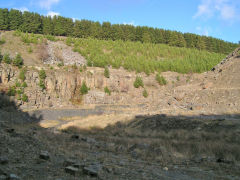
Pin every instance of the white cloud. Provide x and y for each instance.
(132, 23)
(47, 4)
(225, 9)
(22, 9)
(227, 12)
(52, 14)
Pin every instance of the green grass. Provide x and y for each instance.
(144, 57)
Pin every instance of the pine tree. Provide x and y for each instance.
(47, 25)
(31, 22)
(15, 19)
(4, 21)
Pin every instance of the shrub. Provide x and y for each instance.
(106, 72)
(24, 84)
(7, 59)
(42, 74)
(74, 66)
(161, 80)
(107, 91)
(1, 57)
(18, 84)
(138, 82)
(60, 64)
(24, 98)
(18, 61)
(178, 78)
(20, 91)
(42, 84)
(51, 38)
(145, 93)
(22, 75)
(2, 41)
(30, 50)
(83, 68)
(12, 91)
(84, 89)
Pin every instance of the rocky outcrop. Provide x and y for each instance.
(234, 54)
(58, 52)
(209, 92)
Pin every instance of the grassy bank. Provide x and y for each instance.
(144, 57)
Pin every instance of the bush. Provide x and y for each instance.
(84, 89)
(7, 59)
(18, 61)
(178, 78)
(18, 84)
(42, 84)
(20, 91)
(138, 82)
(2, 41)
(22, 75)
(161, 80)
(30, 50)
(107, 91)
(51, 38)
(24, 98)
(145, 93)
(1, 57)
(60, 64)
(106, 72)
(42, 74)
(24, 84)
(74, 66)
(12, 91)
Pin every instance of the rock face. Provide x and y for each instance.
(202, 93)
(63, 86)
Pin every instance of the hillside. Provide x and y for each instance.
(61, 26)
(83, 108)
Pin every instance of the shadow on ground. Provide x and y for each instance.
(147, 147)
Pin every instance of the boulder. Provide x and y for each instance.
(44, 155)
(92, 170)
(71, 170)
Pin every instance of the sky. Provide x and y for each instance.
(216, 18)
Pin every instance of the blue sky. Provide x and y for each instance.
(217, 18)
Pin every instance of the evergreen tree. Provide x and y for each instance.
(106, 30)
(15, 19)
(47, 25)
(31, 22)
(58, 25)
(4, 21)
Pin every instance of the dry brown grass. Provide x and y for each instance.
(42, 52)
(14, 45)
(167, 139)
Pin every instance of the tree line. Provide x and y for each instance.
(61, 26)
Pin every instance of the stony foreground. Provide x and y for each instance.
(147, 147)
